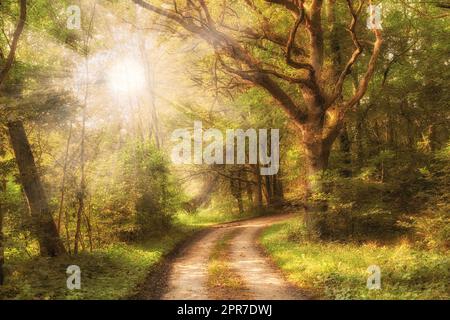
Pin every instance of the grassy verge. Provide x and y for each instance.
(207, 217)
(108, 273)
(338, 271)
(223, 282)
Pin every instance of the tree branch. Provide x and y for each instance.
(223, 44)
(15, 40)
(356, 53)
(314, 27)
(291, 40)
(363, 84)
(260, 77)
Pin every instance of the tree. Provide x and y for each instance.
(8, 63)
(83, 186)
(6, 67)
(312, 68)
(45, 228)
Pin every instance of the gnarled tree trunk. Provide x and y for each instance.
(43, 225)
(317, 152)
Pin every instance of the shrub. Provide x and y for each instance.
(154, 195)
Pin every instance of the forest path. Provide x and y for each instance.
(188, 274)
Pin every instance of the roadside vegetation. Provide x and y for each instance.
(112, 272)
(336, 270)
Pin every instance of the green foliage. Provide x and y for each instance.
(432, 230)
(213, 215)
(113, 272)
(155, 194)
(359, 209)
(431, 225)
(338, 271)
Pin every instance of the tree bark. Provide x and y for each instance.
(78, 221)
(66, 226)
(280, 187)
(249, 189)
(43, 224)
(236, 190)
(277, 189)
(359, 136)
(87, 218)
(8, 63)
(63, 182)
(259, 192)
(317, 154)
(83, 187)
(268, 188)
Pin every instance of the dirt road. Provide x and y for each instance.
(188, 272)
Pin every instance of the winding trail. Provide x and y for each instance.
(188, 274)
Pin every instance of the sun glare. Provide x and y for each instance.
(126, 77)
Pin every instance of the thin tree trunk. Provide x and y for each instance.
(249, 192)
(82, 192)
(89, 227)
(359, 139)
(43, 224)
(280, 188)
(345, 145)
(78, 222)
(150, 74)
(83, 245)
(248, 187)
(274, 179)
(236, 191)
(63, 181)
(268, 188)
(66, 226)
(239, 197)
(259, 191)
(277, 189)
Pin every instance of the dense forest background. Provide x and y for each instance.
(86, 117)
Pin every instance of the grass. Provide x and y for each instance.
(207, 217)
(109, 273)
(112, 272)
(223, 282)
(338, 270)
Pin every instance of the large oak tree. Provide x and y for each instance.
(305, 67)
